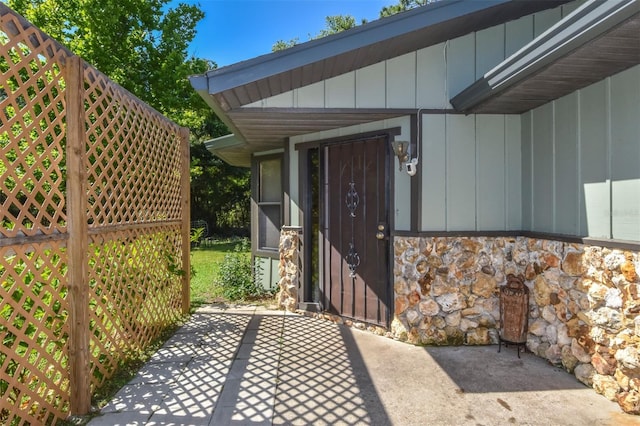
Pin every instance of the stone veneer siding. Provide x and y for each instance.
(583, 304)
(287, 297)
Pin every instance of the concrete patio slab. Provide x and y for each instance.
(251, 366)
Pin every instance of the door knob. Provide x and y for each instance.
(381, 234)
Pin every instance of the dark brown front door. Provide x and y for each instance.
(355, 230)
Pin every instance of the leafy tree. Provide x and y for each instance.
(282, 45)
(338, 23)
(402, 5)
(334, 24)
(137, 43)
(220, 193)
(143, 46)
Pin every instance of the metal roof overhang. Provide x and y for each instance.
(226, 90)
(230, 149)
(597, 40)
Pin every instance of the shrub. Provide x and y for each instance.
(236, 275)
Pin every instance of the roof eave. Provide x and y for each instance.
(230, 149)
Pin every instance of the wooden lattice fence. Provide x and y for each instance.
(94, 226)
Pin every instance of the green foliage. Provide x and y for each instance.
(143, 46)
(236, 275)
(334, 24)
(220, 193)
(140, 44)
(338, 23)
(283, 45)
(196, 234)
(206, 261)
(403, 5)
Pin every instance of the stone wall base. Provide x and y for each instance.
(583, 304)
(289, 270)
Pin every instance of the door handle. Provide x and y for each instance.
(381, 234)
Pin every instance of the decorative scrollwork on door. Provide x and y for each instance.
(353, 199)
(353, 260)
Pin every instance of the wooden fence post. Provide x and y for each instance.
(78, 240)
(185, 183)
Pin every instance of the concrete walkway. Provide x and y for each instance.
(251, 366)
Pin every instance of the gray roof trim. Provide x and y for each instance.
(588, 22)
(226, 141)
(230, 149)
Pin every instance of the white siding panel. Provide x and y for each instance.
(594, 188)
(268, 275)
(513, 172)
(518, 33)
(625, 195)
(566, 165)
(544, 20)
(490, 173)
(370, 83)
(433, 159)
(542, 150)
(461, 172)
(311, 96)
(460, 64)
(401, 81)
(584, 152)
(625, 154)
(283, 100)
(340, 91)
(431, 78)
(489, 49)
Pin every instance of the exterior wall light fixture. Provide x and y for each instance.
(401, 150)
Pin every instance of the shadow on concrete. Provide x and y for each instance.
(323, 378)
(481, 369)
(264, 367)
(300, 371)
(249, 389)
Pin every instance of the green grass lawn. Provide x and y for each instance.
(206, 263)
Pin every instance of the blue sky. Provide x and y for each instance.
(236, 30)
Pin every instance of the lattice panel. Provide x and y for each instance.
(135, 281)
(31, 132)
(34, 382)
(134, 164)
(134, 156)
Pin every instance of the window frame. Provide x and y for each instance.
(257, 204)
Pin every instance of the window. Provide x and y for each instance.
(269, 201)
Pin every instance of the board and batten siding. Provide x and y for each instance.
(471, 173)
(266, 270)
(581, 161)
(426, 78)
(471, 177)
